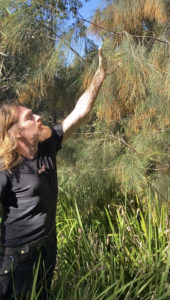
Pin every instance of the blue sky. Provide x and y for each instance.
(87, 11)
(89, 8)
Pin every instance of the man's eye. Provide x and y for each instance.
(29, 117)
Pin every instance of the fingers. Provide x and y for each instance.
(100, 57)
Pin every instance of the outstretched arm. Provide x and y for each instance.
(85, 102)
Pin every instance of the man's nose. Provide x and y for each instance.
(37, 117)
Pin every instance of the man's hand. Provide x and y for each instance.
(102, 65)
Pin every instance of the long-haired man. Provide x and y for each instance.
(28, 192)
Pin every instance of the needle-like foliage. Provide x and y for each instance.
(134, 101)
(34, 43)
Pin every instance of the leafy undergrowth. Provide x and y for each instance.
(116, 250)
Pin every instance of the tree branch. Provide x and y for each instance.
(123, 32)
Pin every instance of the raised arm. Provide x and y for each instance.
(85, 102)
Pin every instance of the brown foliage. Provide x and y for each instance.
(129, 16)
(36, 89)
(155, 10)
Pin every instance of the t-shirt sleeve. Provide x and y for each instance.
(58, 134)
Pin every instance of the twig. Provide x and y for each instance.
(3, 54)
(122, 141)
(123, 32)
(60, 38)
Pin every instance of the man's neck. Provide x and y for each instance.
(27, 150)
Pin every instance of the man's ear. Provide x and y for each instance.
(18, 133)
(15, 131)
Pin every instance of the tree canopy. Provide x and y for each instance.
(34, 45)
(133, 105)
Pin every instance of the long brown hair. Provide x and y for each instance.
(9, 158)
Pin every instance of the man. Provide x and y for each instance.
(28, 192)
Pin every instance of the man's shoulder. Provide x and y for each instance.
(58, 130)
(3, 173)
(4, 176)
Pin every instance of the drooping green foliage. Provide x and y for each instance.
(134, 103)
(34, 44)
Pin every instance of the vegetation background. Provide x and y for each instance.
(112, 216)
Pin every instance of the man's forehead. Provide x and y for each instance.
(22, 111)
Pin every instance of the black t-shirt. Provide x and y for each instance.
(28, 196)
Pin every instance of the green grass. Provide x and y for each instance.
(115, 251)
(109, 247)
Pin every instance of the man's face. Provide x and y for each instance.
(30, 126)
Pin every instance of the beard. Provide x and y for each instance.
(44, 133)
